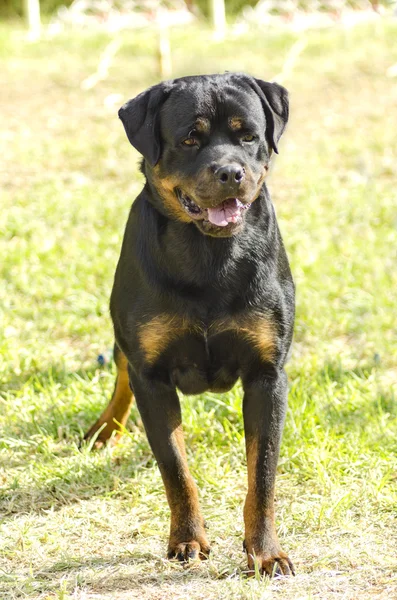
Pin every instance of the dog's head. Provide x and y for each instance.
(207, 143)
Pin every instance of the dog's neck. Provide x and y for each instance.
(181, 253)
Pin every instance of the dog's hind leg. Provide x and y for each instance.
(119, 406)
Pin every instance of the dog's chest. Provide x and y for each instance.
(207, 356)
(199, 362)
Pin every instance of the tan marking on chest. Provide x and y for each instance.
(258, 329)
(158, 333)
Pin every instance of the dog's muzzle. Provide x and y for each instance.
(226, 212)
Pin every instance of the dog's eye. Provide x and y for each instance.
(248, 138)
(190, 141)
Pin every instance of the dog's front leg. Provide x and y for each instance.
(160, 410)
(265, 402)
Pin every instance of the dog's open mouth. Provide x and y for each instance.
(229, 211)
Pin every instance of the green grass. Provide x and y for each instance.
(86, 525)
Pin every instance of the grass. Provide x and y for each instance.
(80, 525)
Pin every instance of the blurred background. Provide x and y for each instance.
(67, 179)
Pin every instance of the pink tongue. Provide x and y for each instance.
(227, 212)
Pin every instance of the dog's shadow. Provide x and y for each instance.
(121, 572)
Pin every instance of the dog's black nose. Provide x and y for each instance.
(231, 174)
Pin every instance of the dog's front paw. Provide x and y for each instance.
(184, 547)
(185, 551)
(268, 560)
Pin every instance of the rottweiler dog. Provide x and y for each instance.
(203, 294)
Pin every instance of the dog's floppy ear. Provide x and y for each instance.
(274, 98)
(141, 119)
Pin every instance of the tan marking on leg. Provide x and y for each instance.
(118, 408)
(261, 541)
(187, 532)
(253, 511)
(178, 441)
(251, 505)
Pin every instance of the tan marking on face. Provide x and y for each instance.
(203, 125)
(158, 333)
(235, 123)
(258, 329)
(261, 180)
(165, 187)
(264, 173)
